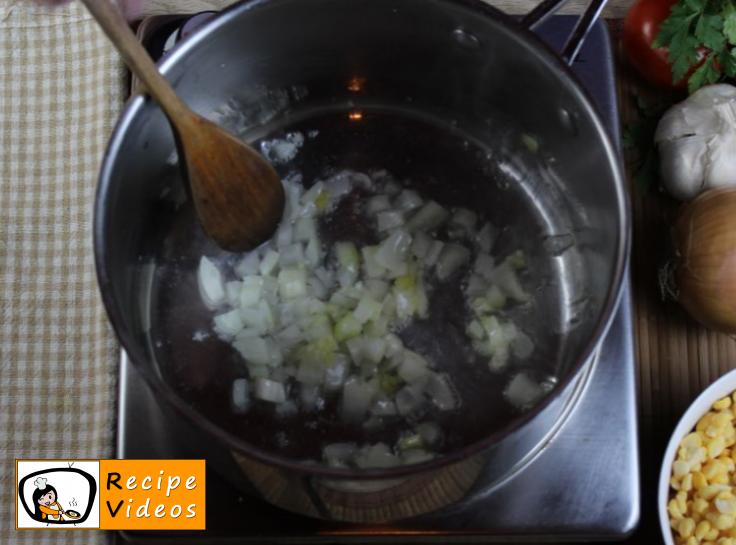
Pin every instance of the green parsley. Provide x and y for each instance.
(639, 137)
(693, 25)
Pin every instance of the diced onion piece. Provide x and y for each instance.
(257, 371)
(356, 399)
(240, 396)
(367, 309)
(371, 267)
(413, 367)
(253, 350)
(249, 265)
(391, 188)
(476, 331)
(420, 245)
(522, 346)
(441, 392)
(495, 297)
(310, 373)
(336, 375)
(347, 328)
(232, 289)
(411, 442)
(377, 289)
(289, 336)
(366, 349)
(284, 235)
(250, 292)
(346, 278)
(229, 323)
(211, 283)
(427, 218)
(313, 253)
(391, 253)
(433, 253)
(384, 407)
(305, 229)
(292, 255)
(430, 432)
(389, 219)
(408, 400)
(376, 456)
(269, 390)
(408, 200)
(348, 256)
(486, 237)
(292, 283)
(394, 345)
(268, 262)
(377, 204)
(506, 278)
(522, 391)
(453, 257)
(465, 219)
(312, 193)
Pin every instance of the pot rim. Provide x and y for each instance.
(139, 359)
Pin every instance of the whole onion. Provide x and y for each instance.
(705, 273)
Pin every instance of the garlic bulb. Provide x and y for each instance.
(697, 142)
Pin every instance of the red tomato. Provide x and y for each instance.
(640, 29)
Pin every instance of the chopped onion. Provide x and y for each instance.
(420, 245)
(465, 219)
(522, 391)
(522, 346)
(413, 367)
(433, 253)
(391, 252)
(367, 309)
(377, 204)
(384, 407)
(211, 284)
(269, 390)
(427, 218)
(452, 257)
(377, 456)
(249, 265)
(336, 375)
(250, 292)
(292, 255)
(292, 283)
(305, 229)
(232, 289)
(356, 399)
(311, 397)
(371, 267)
(416, 456)
(347, 328)
(229, 323)
(283, 235)
(389, 219)
(430, 432)
(240, 395)
(268, 262)
(408, 400)
(340, 452)
(441, 392)
(348, 256)
(408, 200)
(377, 289)
(506, 279)
(486, 237)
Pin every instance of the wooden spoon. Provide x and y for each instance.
(238, 195)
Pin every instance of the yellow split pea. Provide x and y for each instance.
(702, 503)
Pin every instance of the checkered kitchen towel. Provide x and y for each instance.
(61, 90)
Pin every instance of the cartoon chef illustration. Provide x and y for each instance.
(45, 499)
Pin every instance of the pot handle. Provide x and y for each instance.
(572, 47)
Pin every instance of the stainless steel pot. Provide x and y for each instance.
(443, 92)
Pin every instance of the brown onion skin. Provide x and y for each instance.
(705, 274)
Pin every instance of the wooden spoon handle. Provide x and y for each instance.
(136, 57)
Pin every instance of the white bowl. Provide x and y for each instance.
(721, 388)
